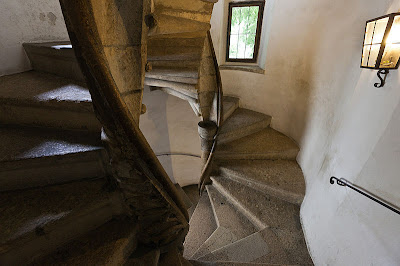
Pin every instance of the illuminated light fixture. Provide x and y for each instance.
(381, 48)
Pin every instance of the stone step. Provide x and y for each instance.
(267, 210)
(267, 144)
(172, 42)
(32, 157)
(228, 263)
(37, 221)
(110, 244)
(202, 225)
(283, 233)
(282, 179)
(231, 225)
(191, 65)
(230, 105)
(196, 6)
(56, 58)
(175, 25)
(174, 74)
(242, 123)
(178, 52)
(44, 100)
(261, 247)
(183, 88)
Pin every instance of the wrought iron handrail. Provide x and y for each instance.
(344, 183)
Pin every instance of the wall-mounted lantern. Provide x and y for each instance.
(381, 48)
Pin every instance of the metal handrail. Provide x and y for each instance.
(344, 183)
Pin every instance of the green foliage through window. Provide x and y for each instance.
(243, 31)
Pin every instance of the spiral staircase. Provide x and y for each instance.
(60, 204)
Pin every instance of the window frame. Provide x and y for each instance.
(261, 5)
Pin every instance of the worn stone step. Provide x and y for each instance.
(109, 244)
(175, 75)
(263, 145)
(192, 65)
(282, 233)
(230, 105)
(197, 6)
(172, 25)
(202, 225)
(56, 58)
(242, 123)
(32, 157)
(227, 263)
(37, 221)
(282, 179)
(264, 210)
(184, 88)
(38, 99)
(261, 247)
(177, 52)
(231, 225)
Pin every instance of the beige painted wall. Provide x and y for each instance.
(318, 95)
(27, 21)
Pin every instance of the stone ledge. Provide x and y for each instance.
(253, 69)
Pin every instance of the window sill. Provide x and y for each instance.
(253, 69)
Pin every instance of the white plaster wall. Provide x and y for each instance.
(318, 95)
(27, 21)
(170, 125)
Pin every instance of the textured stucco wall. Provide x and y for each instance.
(27, 21)
(318, 95)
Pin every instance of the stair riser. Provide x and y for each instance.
(38, 172)
(282, 155)
(63, 64)
(243, 131)
(40, 115)
(267, 190)
(23, 251)
(228, 112)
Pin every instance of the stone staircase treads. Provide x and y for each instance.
(228, 263)
(278, 178)
(231, 225)
(187, 89)
(265, 144)
(230, 104)
(55, 58)
(32, 157)
(170, 24)
(196, 7)
(261, 247)
(272, 212)
(40, 220)
(202, 225)
(110, 244)
(176, 75)
(241, 123)
(38, 99)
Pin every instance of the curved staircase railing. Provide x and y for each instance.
(207, 168)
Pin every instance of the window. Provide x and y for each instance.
(244, 30)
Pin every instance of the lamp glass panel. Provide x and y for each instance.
(365, 55)
(379, 31)
(373, 55)
(369, 32)
(392, 49)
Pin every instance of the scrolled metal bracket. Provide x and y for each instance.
(381, 72)
(338, 181)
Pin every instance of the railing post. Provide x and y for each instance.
(207, 131)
